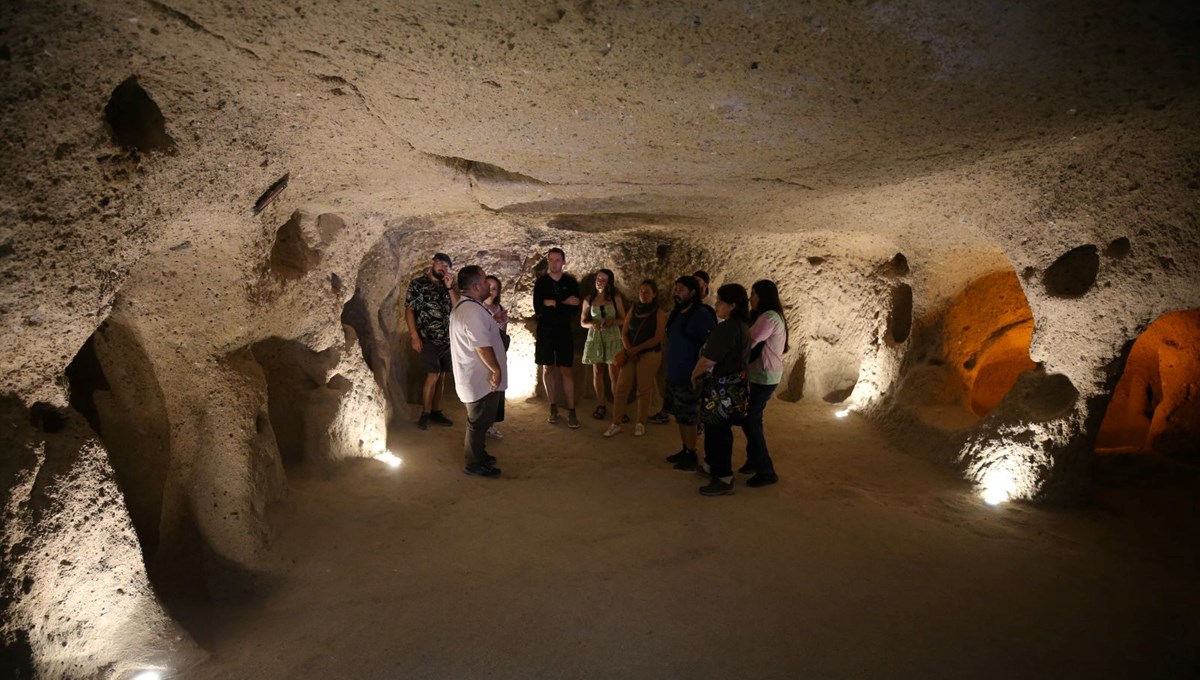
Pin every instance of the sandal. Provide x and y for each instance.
(600, 412)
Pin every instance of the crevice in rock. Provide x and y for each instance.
(135, 119)
(1073, 274)
(899, 323)
(477, 171)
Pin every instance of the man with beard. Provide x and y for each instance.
(687, 329)
(427, 307)
(556, 305)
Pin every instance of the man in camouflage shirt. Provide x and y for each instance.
(427, 307)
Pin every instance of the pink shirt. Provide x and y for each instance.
(767, 369)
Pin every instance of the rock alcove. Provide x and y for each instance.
(985, 249)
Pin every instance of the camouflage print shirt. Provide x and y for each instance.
(430, 303)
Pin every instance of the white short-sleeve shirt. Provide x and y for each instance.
(472, 327)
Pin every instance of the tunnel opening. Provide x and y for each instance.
(304, 394)
(112, 384)
(987, 330)
(1155, 408)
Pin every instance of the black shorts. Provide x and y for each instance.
(554, 347)
(436, 358)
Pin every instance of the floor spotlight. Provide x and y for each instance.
(391, 459)
(841, 413)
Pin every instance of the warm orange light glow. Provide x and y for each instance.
(987, 330)
(1156, 405)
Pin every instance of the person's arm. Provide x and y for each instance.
(453, 295)
(625, 341)
(568, 308)
(541, 305)
(417, 345)
(585, 319)
(702, 366)
(761, 330)
(488, 356)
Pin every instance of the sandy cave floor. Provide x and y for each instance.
(592, 558)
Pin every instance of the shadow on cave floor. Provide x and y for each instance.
(591, 557)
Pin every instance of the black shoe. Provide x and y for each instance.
(660, 418)
(688, 462)
(762, 479)
(439, 418)
(423, 423)
(572, 420)
(484, 470)
(716, 487)
(553, 419)
(624, 419)
(747, 469)
(489, 459)
(678, 455)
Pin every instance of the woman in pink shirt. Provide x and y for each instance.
(768, 342)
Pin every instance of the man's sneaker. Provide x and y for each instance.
(688, 462)
(612, 430)
(747, 469)
(762, 479)
(423, 423)
(678, 456)
(639, 430)
(439, 418)
(716, 487)
(660, 418)
(553, 419)
(484, 470)
(494, 433)
(572, 421)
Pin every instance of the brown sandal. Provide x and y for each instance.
(600, 412)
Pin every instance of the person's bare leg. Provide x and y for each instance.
(598, 383)
(549, 378)
(428, 390)
(687, 435)
(438, 390)
(613, 372)
(567, 380)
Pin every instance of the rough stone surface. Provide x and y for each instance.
(76, 598)
(808, 144)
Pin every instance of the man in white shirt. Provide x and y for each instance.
(480, 370)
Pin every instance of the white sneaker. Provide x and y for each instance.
(494, 433)
(612, 430)
(639, 430)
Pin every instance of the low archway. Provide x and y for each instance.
(987, 331)
(1156, 405)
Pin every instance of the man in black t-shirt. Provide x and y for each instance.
(556, 305)
(427, 307)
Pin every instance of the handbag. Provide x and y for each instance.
(723, 398)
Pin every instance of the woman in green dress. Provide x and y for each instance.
(602, 314)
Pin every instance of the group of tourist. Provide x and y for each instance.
(723, 362)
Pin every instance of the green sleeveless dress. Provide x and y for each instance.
(601, 347)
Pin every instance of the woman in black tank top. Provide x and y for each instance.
(642, 337)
